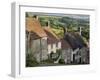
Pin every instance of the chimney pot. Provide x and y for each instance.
(35, 17)
(48, 24)
(65, 30)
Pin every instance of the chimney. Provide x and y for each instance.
(48, 24)
(80, 30)
(35, 17)
(65, 30)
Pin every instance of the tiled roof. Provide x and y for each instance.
(34, 26)
(51, 37)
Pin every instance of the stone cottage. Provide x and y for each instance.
(36, 39)
(77, 47)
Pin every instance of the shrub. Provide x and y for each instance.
(58, 51)
(54, 56)
(31, 61)
(61, 61)
(51, 54)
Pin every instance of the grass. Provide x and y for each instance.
(58, 32)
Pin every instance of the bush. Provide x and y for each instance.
(31, 61)
(54, 56)
(51, 54)
(61, 61)
(58, 51)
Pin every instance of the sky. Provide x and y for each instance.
(77, 16)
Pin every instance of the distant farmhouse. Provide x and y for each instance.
(42, 42)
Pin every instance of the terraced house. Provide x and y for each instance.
(41, 42)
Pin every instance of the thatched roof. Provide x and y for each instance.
(65, 44)
(75, 40)
(51, 37)
(33, 25)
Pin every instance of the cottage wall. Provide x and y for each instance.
(80, 55)
(75, 55)
(39, 49)
(49, 48)
(35, 49)
(44, 48)
(66, 55)
(53, 47)
(84, 55)
(59, 45)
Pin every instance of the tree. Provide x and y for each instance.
(27, 14)
(31, 61)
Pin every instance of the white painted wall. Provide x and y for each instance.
(67, 55)
(59, 45)
(44, 38)
(49, 48)
(53, 47)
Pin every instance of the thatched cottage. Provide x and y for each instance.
(53, 42)
(36, 39)
(78, 48)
